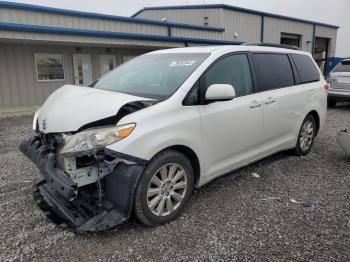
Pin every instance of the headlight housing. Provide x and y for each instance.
(95, 138)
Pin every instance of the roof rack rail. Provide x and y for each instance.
(272, 45)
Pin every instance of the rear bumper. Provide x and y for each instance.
(339, 95)
(83, 209)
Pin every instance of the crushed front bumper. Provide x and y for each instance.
(83, 209)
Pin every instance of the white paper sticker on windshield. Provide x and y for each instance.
(182, 63)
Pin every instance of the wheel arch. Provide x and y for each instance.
(191, 155)
(317, 119)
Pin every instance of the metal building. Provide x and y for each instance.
(43, 48)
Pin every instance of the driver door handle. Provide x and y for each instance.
(255, 104)
(270, 100)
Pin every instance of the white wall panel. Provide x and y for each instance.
(274, 27)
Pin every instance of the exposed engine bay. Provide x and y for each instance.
(91, 192)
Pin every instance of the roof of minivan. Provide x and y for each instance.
(232, 48)
(196, 49)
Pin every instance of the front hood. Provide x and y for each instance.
(71, 107)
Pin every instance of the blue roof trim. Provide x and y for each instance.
(235, 8)
(120, 35)
(52, 10)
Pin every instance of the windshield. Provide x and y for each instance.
(343, 66)
(155, 76)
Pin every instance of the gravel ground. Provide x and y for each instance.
(235, 217)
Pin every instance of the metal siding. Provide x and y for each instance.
(181, 32)
(327, 32)
(45, 19)
(247, 26)
(18, 84)
(188, 16)
(5, 88)
(274, 27)
(11, 67)
(232, 8)
(84, 40)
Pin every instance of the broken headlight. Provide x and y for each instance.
(95, 138)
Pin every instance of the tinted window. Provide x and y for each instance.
(343, 66)
(273, 71)
(306, 68)
(233, 70)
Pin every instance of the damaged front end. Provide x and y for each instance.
(92, 190)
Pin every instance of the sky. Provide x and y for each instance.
(334, 12)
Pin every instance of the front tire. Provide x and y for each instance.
(306, 136)
(164, 188)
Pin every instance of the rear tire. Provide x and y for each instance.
(331, 102)
(306, 136)
(164, 188)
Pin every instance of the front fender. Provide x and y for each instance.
(182, 127)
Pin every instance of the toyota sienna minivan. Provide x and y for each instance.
(138, 140)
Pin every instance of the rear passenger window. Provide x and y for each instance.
(306, 68)
(273, 71)
(233, 70)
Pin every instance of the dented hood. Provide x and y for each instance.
(71, 107)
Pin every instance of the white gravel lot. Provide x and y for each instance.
(237, 217)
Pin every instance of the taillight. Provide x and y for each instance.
(326, 87)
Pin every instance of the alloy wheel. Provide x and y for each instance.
(167, 189)
(306, 135)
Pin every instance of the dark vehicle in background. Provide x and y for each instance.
(339, 80)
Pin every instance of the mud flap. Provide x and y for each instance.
(120, 187)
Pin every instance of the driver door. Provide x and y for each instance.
(231, 129)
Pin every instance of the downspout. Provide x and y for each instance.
(169, 30)
(313, 41)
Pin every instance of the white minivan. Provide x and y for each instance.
(139, 139)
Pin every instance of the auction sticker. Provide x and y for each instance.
(182, 63)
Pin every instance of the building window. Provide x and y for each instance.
(290, 39)
(49, 67)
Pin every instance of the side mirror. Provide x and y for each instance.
(220, 92)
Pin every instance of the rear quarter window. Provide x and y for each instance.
(273, 71)
(306, 68)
